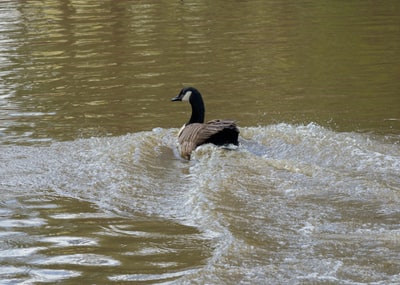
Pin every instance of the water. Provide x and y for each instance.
(291, 204)
(93, 190)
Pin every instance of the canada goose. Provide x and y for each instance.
(196, 132)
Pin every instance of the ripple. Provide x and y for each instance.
(9, 270)
(19, 252)
(10, 233)
(80, 259)
(65, 241)
(68, 216)
(13, 275)
(31, 114)
(52, 275)
(151, 277)
(15, 223)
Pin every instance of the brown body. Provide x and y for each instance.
(218, 132)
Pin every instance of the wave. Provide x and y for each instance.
(286, 191)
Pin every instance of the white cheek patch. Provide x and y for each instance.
(186, 97)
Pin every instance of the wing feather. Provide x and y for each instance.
(197, 134)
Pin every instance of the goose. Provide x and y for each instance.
(196, 132)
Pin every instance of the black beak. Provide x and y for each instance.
(177, 98)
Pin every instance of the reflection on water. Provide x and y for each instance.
(75, 69)
(90, 195)
(48, 239)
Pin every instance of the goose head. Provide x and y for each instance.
(193, 96)
(187, 94)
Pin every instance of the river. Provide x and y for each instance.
(92, 188)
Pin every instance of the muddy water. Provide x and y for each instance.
(92, 189)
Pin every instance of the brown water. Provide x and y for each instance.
(93, 191)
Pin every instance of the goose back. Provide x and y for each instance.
(218, 132)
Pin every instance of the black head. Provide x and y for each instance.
(192, 95)
(187, 94)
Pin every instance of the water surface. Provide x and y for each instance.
(92, 189)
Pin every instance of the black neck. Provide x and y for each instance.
(198, 109)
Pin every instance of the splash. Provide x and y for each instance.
(289, 201)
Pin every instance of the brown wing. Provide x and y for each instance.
(196, 134)
(190, 137)
(224, 132)
(219, 125)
